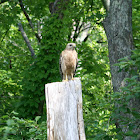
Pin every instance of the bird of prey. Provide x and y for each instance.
(68, 62)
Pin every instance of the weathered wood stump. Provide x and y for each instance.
(64, 110)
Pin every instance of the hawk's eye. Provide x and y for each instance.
(70, 45)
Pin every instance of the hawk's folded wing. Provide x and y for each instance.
(60, 66)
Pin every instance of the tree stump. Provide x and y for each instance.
(64, 110)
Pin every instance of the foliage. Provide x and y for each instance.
(129, 93)
(15, 128)
(96, 79)
(44, 69)
(9, 91)
(135, 21)
(22, 78)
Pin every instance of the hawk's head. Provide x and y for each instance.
(71, 46)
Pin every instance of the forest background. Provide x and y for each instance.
(32, 36)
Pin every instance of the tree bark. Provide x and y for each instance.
(64, 111)
(106, 4)
(118, 28)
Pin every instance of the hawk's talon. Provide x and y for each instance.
(64, 80)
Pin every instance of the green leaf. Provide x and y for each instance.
(10, 122)
(37, 118)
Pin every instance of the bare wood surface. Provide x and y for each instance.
(64, 111)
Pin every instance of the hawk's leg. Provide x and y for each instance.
(65, 77)
(72, 76)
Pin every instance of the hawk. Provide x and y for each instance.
(68, 62)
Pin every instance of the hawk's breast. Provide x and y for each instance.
(70, 60)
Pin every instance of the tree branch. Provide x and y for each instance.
(29, 20)
(58, 7)
(54, 5)
(76, 31)
(26, 40)
(86, 28)
(86, 38)
(39, 30)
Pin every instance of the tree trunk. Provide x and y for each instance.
(64, 111)
(118, 28)
(106, 4)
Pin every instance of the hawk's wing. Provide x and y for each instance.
(60, 67)
(76, 66)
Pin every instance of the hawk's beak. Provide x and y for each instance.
(74, 46)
